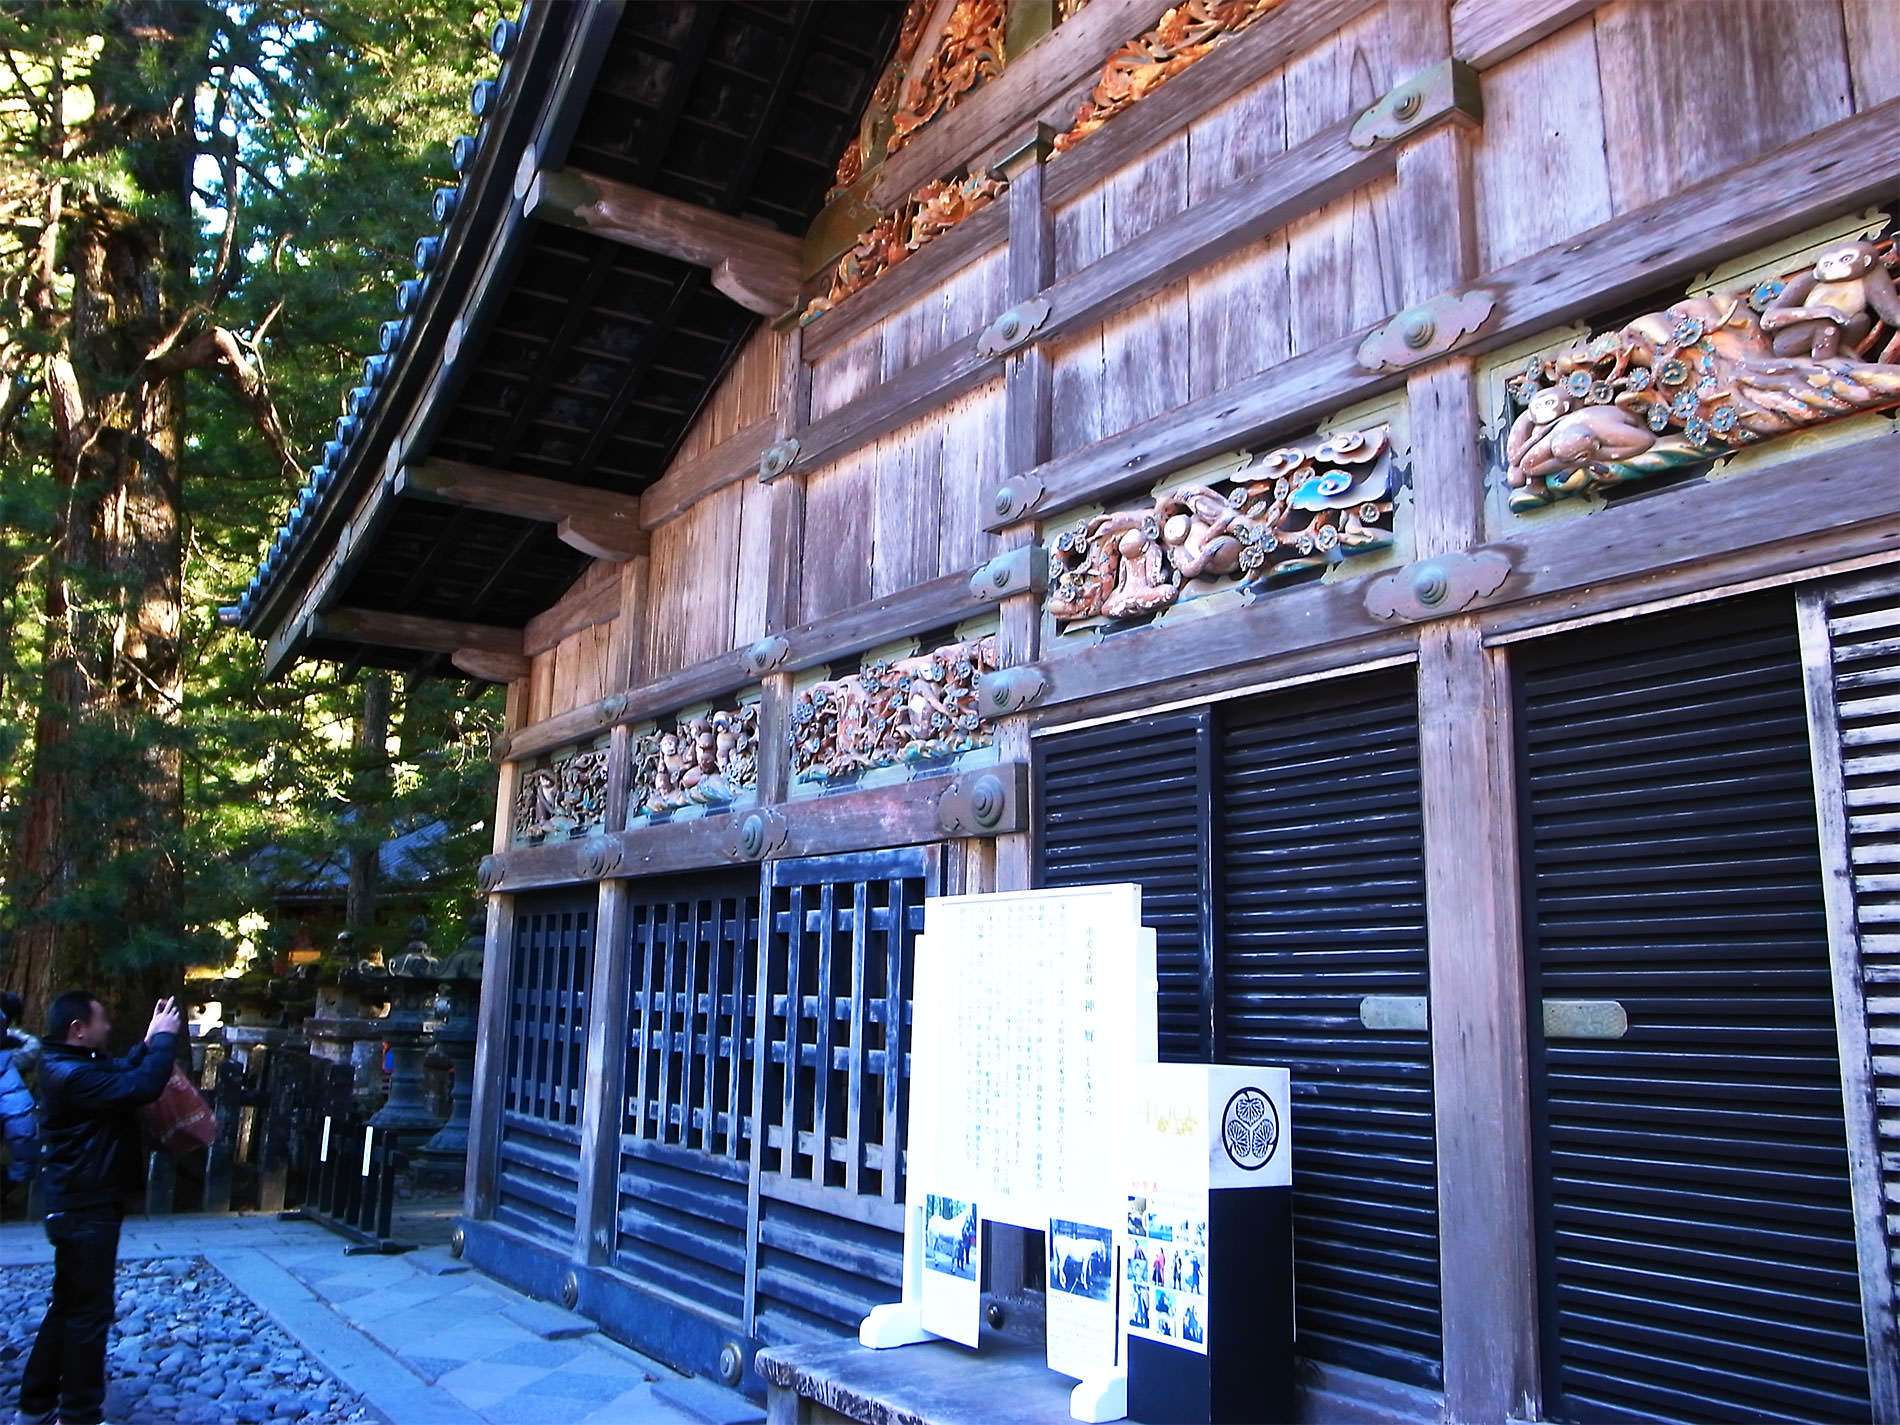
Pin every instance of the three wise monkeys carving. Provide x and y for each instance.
(1708, 376)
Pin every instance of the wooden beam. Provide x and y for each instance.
(599, 523)
(1667, 241)
(491, 1058)
(757, 267)
(490, 667)
(1488, 32)
(594, 600)
(734, 459)
(604, 1063)
(425, 635)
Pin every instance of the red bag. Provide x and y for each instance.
(179, 1119)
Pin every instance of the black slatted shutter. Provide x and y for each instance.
(1698, 1234)
(1323, 905)
(1128, 802)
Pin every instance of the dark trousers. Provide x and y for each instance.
(68, 1366)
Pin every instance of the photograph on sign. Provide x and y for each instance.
(953, 1265)
(1080, 1302)
(1166, 1268)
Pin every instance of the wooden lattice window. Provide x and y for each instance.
(689, 1025)
(547, 1008)
(835, 1008)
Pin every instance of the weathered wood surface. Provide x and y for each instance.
(425, 635)
(1479, 1031)
(865, 819)
(1668, 241)
(594, 599)
(755, 266)
(1873, 48)
(490, 667)
(491, 1046)
(1488, 32)
(604, 1067)
(527, 497)
(734, 459)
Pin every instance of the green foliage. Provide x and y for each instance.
(320, 134)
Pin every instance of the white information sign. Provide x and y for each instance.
(1033, 1012)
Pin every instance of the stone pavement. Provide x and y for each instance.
(423, 1339)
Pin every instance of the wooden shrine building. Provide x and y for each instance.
(1412, 483)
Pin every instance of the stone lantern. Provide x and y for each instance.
(444, 1158)
(344, 1028)
(411, 978)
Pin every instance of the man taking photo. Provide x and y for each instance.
(91, 1161)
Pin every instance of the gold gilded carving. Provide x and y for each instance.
(906, 710)
(565, 797)
(1300, 507)
(969, 51)
(926, 215)
(708, 760)
(1709, 376)
(1181, 37)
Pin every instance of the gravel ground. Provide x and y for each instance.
(188, 1348)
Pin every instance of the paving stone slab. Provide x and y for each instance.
(708, 1403)
(550, 1323)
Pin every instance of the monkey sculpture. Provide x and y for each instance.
(1827, 307)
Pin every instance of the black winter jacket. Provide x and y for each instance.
(91, 1154)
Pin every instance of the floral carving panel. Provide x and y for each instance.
(709, 760)
(1709, 376)
(1297, 508)
(565, 797)
(888, 713)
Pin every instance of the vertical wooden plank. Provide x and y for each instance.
(908, 474)
(1238, 308)
(759, 1029)
(1480, 1039)
(687, 1005)
(823, 1033)
(709, 1013)
(1873, 50)
(669, 977)
(706, 597)
(794, 1011)
(540, 686)
(1076, 371)
(1689, 90)
(738, 1026)
(646, 946)
(893, 1129)
(847, 373)
(1859, 1107)
(1343, 260)
(972, 467)
(1540, 170)
(1145, 348)
(491, 1055)
(753, 584)
(597, 1198)
(837, 501)
(854, 1071)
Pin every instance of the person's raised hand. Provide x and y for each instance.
(165, 1018)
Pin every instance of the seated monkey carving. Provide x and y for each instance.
(1826, 308)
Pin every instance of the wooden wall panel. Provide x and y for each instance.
(1345, 261)
(755, 547)
(908, 467)
(1540, 171)
(847, 373)
(1692, 89)
(1873, 50)
(1238, 308)
(972, 467)
(838, 536)
(692, 582)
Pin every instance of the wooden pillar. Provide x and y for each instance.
(1027, 386)
(785, 562)
(597, 1198)
(1467, 771)
(491, 1020)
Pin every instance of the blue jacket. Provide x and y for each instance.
(91, 1154)
(16, 1117)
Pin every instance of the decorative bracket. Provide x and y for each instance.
(1014, 328)
(766, 655)
(599, 858)
(1015, 501)
(1450, 86)
(989, 802)
(1430, 587)
(611, 707)
(757, 835)
(1427, 330)
(490, 873)
(1020, 571)
(1009, 690)
(777, 458)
